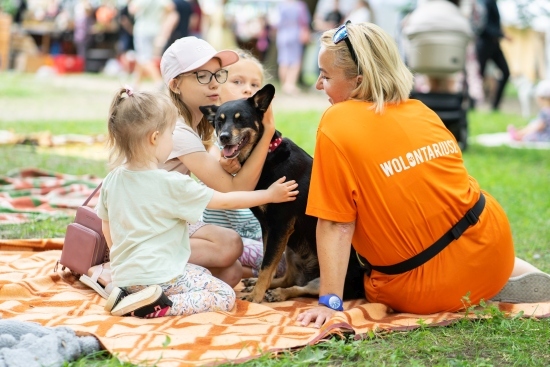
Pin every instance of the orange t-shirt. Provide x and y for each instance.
(400, 176)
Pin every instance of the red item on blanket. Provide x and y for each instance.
(85, 244)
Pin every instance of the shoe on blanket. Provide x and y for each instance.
(115, 297)
(525, 288)
(147, 303)
(99, 273)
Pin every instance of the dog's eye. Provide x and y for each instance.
(237, 115)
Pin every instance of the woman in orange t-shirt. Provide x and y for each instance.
(388, 177)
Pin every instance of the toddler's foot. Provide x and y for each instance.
(147, 303)
(513, 133)
(526, 288)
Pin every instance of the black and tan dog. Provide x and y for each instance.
(285, 226)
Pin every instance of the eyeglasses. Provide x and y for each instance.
(340, 35)
(205, 76)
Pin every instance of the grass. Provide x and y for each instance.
(518, 178)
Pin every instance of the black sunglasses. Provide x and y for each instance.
(340, 35)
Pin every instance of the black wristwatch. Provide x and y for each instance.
(332, 301)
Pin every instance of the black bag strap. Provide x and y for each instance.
(470, 218)
(92, 194)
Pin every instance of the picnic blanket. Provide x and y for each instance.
(31, 291)
(33, 194)
(498, 139)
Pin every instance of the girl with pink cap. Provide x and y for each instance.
(194, 71)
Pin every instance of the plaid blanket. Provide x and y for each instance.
(33, 194)
(30, 290)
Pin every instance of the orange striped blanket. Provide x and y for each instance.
(30, 290)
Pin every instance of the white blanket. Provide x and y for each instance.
(498, 139)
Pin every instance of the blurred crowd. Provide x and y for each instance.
(501, 39)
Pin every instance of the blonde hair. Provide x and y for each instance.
(132, 117)
(386, 79)
(247, 55)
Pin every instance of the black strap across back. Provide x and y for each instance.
(470, 218)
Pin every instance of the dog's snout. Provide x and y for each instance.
(225, 137)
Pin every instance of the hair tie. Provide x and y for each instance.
(129, 90)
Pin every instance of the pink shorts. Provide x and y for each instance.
(194, 227)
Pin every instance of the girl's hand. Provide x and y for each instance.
(230, 166)
(281, 191)
(269, 120)
(318, 315)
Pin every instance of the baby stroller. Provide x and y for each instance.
(441, 54)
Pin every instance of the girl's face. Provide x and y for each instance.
(332, 80)
(195, 94)
(245, 79)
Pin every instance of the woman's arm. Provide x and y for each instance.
(210, 172)
(333, 249)
(279, 192)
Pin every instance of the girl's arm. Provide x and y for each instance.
(279, 192)
(106, 228)
(208, 169)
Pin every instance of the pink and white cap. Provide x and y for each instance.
(190, 53)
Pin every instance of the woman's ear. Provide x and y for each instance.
(359, 80)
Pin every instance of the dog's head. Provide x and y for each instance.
(238, 123)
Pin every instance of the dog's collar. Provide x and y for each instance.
(274, 144)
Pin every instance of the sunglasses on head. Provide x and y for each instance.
(340, 35)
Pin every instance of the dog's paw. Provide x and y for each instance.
(250, 298)
(249, 282)
(247, 289)
(274, 295)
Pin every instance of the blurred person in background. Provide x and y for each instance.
(154, 20)
(293, 33)
(184, 10)
(361, 13)
(125, 45)
(488, 48)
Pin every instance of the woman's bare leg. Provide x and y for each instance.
(527, 284)
(523, 267)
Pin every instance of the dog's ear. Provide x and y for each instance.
(263, 97)
(209, 112)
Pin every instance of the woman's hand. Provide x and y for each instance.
(231, 166)
(281, 191)
(318, 315)
(269, 120)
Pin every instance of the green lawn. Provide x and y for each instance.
(518, 178)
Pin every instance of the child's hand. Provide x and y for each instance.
(281, 191)
(230, 166)
(269, 120)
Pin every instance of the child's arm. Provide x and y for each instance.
(279, 192)
(106, 228)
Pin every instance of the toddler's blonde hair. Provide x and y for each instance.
(247, 55)
(133, 116)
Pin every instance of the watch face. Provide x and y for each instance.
(334, 302)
